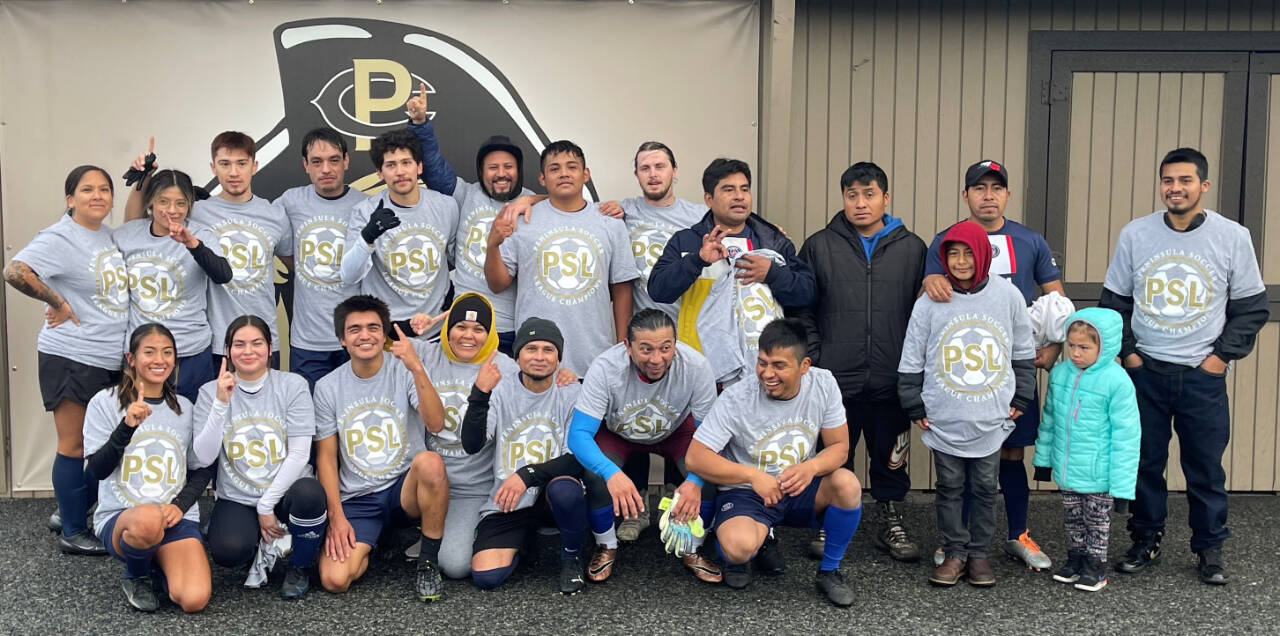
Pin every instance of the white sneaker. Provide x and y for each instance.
(630, 529)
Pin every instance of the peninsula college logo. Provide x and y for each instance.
(355, 75)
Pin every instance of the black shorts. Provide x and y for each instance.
(510, 529)
(65, 379)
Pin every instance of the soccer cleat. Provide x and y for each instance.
(571, 574)
(427, 583)
(769, 559)
(296, 582)
(702, 568)
(893, 537)
(140, 594)
(1210, 568)
(630, 529)
(601, 564)
(736, 575)
(1069, 572)
(81, 544)
(1143, 552)
(818, 545)
(833, 587)
(1093, 575)
(1025, 549)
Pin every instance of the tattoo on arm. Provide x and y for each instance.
(22, 278)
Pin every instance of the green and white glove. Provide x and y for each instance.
(678, 536)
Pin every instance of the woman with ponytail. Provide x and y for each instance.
(138, 436)
(257, 423)
(74, 268)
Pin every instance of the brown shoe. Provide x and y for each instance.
(702, 567)
(948, 573)
(980, 572)
(601, 564)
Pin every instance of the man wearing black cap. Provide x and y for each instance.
(498, 164)
(1021, 255)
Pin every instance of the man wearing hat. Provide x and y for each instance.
(522, 418)
(1021, 255)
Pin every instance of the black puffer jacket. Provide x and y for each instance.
(859, 315)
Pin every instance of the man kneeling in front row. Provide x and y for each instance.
(768, 430)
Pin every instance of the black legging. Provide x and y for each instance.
(233, 527)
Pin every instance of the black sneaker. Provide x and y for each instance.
(141, 594)
(736, 575)
(427, 583)
(832, 586)
(1210, 567)
(893, 537)
(296, 582)
(82, 543)
(1069, 572)
(571, 581)
(769, 559)
(54, 524)
(1093, 575)
(1144, 552)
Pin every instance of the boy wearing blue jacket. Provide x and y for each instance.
(1090, 439)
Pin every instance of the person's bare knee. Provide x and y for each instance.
(143, 526)
(846, 491)
(428, 470)
(192, 598)
(739, 541)
(335, 577)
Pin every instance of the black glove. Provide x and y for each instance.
(380, 221)
(1043, 473)
(201, 193)
(136, 176)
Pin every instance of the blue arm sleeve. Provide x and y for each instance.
(582, 443)
(436, 172)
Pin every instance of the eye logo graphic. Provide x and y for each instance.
(355, 75)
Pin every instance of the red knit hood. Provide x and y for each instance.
(975, 237)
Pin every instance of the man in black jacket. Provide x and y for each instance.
(868, 268)
(698, 258)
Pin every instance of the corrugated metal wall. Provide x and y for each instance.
(926, 88)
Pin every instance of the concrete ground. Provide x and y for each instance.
(45, 592)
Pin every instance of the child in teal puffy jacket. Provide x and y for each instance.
(1089, 437)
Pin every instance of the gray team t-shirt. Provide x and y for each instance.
(477, 212)
(256, 432)
(250, 235)
(376, 421)
(526, 428)
(965, 349)
(644, 412)
(153, 468)
(319, 241)
(411, 261)
(650, 228)
(87, 270)
(166, 285)
(564, 263)
(469, 475)
(1181, 282)
(749, 427)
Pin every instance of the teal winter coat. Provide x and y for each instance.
(1090, 430)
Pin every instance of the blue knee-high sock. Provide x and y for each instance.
(1017, 495)
(707, 510)
(602, 519)
(137, 561)
(308, 536)
(839, 524)
(69, 489)
(569, 507)
(90, 489)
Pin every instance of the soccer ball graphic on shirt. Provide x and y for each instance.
(374, 439)
(321, 244)
(413, 257)
(152, 469)
(1176, 291)
(647, 243)
(254, 450)
(248, 252)
(156, 287)
(567, 264)
(972, 359)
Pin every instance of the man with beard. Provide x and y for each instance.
(1186, 281)
(407, 230)
(650, 392)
